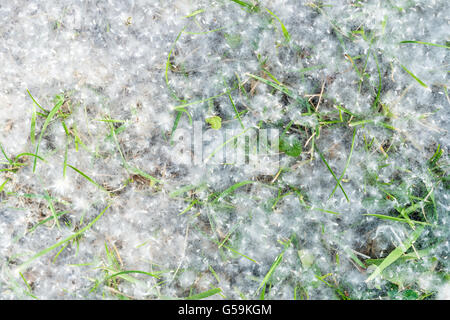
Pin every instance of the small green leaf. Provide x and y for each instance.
(215, 122)
(233, 40)
(291, 146)
(410, 295)
(307, 258)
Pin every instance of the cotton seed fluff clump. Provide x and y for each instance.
(281, 149)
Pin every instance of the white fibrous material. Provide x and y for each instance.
(134, 165)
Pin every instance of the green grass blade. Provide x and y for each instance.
(273, 85)
(377, 99)
(232, 189)
(45, 111)
(272, 76)
(205, 294)
(271, 271)
(323, 210)
(175, 124)
(189, 207)
(303, 102)
(5, 155)
(275, 264)
(111, 120)
(44, 127)
(235, 110)
(283, 28)
(246, 5)
(60, 251)
(131, 271)
(345, 110)
(66, 151)
(425, 43)
(436, 156)
(346, 165)
(382, 216)
(412, 75)
(25, 281)
(194, 13)
(24, 265)
(396, 253)
(182, 190)
(46, 220)
(52, 208)
(2, 186)
(172, 92)
(143, 174)
(28, 154)
(241, 254)
(187, 104)
(33, 126)
(332, 173)
(87, 177)
(263, 293)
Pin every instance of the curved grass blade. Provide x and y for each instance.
(205, 294)
(2, 186)
(46, 220)
(52, 207)
(28, 154)
(396, 253)
(385, 217)
(5, 155)
(143, 174)
(87, 178)
(346, 165)
(425, 43)
(177, 120)
(24, 265)
(235, 110)
(45, 111)
(283, 28)
(273, 85)
(131, 271)
(271, 271)
(246, 5)
(193, 202)
(172, 92)
(194, 13)
(231, 189)
(44, 127)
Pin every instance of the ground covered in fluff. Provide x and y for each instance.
(100, 201)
